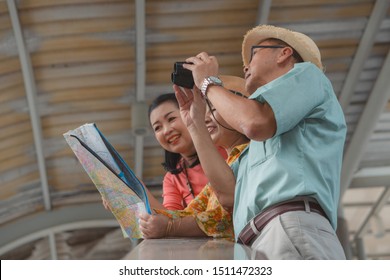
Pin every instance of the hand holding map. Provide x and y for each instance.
(116, 182)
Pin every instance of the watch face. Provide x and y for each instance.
(215, 80)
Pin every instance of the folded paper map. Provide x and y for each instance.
(122, 190)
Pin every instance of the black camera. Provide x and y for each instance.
(181, 76)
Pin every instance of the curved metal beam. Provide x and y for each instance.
(367, 41)
(31, 92)
(33, 227)
(375, 105)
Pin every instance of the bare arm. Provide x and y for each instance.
(158, 226)
(219, 173)
(154, 203)
(252, 118)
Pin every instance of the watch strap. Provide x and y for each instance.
(210, 80)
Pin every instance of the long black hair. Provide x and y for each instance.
(171, 159)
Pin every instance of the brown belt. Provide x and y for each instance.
(256, 225)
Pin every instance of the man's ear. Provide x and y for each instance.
(285, 54)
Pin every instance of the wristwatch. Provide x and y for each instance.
(210, 80)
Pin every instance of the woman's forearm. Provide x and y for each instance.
(184, 227)
(154, 203)
(218, 172)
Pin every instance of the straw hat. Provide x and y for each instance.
(304, 45)
(234, 83)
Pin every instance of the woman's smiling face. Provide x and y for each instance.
(169, 129)
(216, 126)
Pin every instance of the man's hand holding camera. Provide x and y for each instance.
(202, 66)
(194, 70)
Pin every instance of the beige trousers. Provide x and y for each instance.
(298, 235)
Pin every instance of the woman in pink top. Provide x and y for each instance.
(185, 177)
(204, 216)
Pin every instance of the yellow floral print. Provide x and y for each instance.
(211, 217)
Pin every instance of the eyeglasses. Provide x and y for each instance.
(265, 47)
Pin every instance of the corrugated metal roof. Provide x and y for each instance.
(80, 65)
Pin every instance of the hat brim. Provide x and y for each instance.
(302, 44)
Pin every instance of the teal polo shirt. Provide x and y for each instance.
(303, 157)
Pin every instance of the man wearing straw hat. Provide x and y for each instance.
(287, 180)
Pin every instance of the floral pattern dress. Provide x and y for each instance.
(211, 217)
